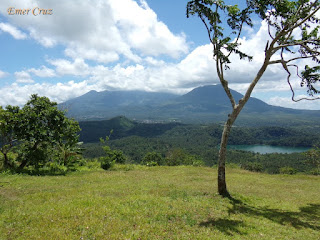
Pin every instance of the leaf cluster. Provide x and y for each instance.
(39, 133)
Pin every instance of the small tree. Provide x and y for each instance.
(42, 129)
(111, 156)
(293, 31)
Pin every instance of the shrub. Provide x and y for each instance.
(178, 156)
(315, 171)
(112, 156)
(152, 159)
(252, 166)
(287, 170)
(119, 157)
(106, 162)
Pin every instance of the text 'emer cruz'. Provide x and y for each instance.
(35, 11)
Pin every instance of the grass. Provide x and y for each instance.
(159, 203)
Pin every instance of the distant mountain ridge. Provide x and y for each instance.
(205, 104)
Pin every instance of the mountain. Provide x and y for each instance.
(108, 104)
(205, 104)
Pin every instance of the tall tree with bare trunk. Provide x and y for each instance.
(293, 28)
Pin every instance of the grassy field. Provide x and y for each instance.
(159, 203)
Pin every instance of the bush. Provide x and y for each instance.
(152, 159)
(252, 166)
(106, 162)
(112, 156)
(287, 170)
(119, 157)
(55, 168)
(315, 171)
(178, 156)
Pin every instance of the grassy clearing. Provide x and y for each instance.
(159, 203)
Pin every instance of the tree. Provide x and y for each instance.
(313, 159)
(7, 122)
(42, 130)
(111, 156)
(293, 30)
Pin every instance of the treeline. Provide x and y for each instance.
(123, 127)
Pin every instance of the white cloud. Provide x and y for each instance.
(16, 94)
(288, 103)
(13, 31)
(3, 74)
(64, 67)
(99, 30)
(23, 77)
(43, 72)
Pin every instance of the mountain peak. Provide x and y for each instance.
(202, 105)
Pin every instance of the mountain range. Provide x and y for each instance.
(205, 104)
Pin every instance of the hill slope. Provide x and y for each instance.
(159, 203)
(201, 105)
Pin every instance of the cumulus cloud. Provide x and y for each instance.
(15, 94)
(76, 68)
(43, 72)
(13, 31)
(99, 30)
(23, 77)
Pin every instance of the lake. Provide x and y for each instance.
(263, 149)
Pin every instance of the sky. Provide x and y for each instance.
(63, 49)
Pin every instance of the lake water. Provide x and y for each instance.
(263, 149)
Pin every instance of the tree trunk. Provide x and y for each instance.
(6, 162)
(22, 165)
(222, 186)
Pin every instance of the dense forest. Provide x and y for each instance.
(137, 139)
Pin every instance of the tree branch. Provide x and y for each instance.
(306, 18)
(208, 30)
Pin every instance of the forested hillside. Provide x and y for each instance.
(137, 139)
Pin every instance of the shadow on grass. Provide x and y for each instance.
(227, 226)
(306, 217)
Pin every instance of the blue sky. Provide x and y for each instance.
(121, 45)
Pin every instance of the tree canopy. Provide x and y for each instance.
(38, 132)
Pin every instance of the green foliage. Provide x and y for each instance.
(287, 170)
(153, 159)
(315, 171)
(8, 120)
(313, 159)
(40, 134)
(202, 141)
(178, 156)
(252, 166)
(111, 157)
